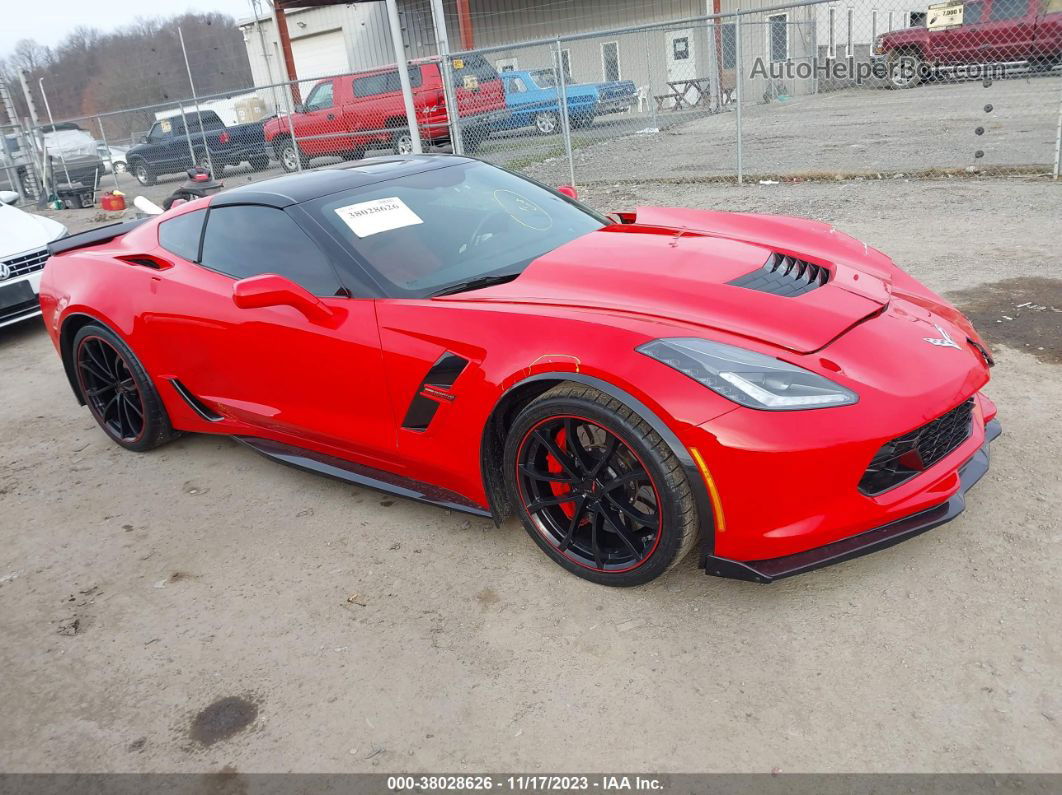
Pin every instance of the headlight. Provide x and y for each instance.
(746, 377)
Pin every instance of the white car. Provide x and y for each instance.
(113, 157)
(24, 240)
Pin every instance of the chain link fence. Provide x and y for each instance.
(803, 90)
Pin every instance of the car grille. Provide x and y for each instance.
(784, 275)
(908, 455)
(20, 310)
(26, 263)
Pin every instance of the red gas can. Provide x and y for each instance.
(112, 202)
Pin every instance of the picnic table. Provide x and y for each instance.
(691, 93)
(684, 93)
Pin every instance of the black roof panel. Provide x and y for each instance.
(297, 188)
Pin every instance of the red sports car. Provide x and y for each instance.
(766, 389)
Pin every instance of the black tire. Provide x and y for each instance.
(119, 421)
(290, 156)
(356, 154)
(546, 122)
(143, 172)
(905, 69)
(640, 469)
(259, 162)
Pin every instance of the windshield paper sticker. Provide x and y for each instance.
(379, 215)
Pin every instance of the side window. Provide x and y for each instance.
(249, 240)
(971, 13)
(181, 235)
(155, 133)
(320, 98)
(370, 86)
(516, 85)
(1006, 9)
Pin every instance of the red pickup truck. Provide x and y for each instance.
(344, 116)
(991, 32)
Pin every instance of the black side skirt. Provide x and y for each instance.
(766, 571)
(360, 475)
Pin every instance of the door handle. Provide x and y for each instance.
(331, 117)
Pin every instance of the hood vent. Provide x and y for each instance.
(784, 275)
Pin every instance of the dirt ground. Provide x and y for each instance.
(200, 608)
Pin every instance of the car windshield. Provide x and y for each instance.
(431, 232)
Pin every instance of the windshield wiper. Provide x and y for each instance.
(477, 284)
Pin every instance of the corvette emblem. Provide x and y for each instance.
(944, 341)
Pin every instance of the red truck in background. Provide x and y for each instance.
(990, 32)
(344, 116)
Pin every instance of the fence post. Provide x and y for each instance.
(51, 121)
(650, 100)
(110, 157)
(442, 48)
(739, 69)
(198, 112)
(402, 63)
(292, 88)
(1058, 139)
(187, 132)
(562, 95)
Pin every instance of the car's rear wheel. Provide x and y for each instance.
(259, 162)
(118, 391)
(597, 488)
(546, 122)
(143, 173)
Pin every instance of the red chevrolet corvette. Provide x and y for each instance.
(766, 389)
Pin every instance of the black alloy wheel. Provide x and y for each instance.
(118, 391)
(110, 390)
(597, 489)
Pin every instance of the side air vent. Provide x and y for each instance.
(432, 390)
(194, 403)
(784, 275)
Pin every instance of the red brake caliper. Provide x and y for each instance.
(554, 468)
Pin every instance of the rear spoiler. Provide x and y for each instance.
(100, 234)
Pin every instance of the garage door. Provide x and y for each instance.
(320, 55)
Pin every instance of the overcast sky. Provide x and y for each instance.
(49, 21)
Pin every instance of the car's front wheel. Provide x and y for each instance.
(118, 391)
(906, 69)
(597, 488)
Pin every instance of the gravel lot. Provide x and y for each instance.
(201, 608)
(854, 131)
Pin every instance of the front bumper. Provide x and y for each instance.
(769, 570)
